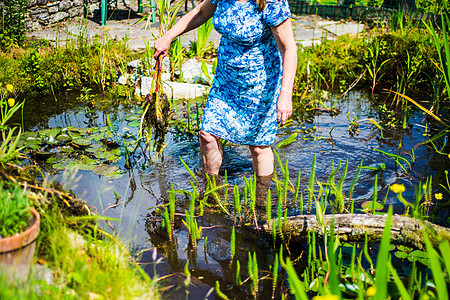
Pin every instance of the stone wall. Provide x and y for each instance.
(48, 12)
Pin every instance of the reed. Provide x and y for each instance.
(237, 204)
(269, 207)
(296, 192)
(351, 205)
(275, 275)
(219, 292)
(311, 183)
(253, 273)
(375, 195)
(187, 281)
(381, 277)
(167, 224)
(232, 244)
(238, 273)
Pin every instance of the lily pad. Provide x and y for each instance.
(64, 164)
(64, 137)
(106, 170)
(95, 147)
(82, 142)
(98, 136)
(368, 205)
(73, 129)
(67, 149)
(134, 123)
(87, 164)
(50, 134)
(53, 159)
(133, 118)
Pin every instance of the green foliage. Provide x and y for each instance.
(12, 23)
(41, 69)
(8, 107)
(15, 212)
(203, 34)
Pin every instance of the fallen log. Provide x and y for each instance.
(354, 227)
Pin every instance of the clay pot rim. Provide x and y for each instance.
(23, 238)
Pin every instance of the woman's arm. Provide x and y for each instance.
(286, 45)
(196, 17)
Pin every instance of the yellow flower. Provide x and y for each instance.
(326, 297)
(371, 291)
(11, 102)
(438, 196)
(10, 88)
(397, 188)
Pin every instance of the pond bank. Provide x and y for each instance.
(74, 257)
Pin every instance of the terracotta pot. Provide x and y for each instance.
(16, 252)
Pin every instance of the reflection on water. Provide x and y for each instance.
(145, 186)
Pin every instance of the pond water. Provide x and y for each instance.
(142, 188)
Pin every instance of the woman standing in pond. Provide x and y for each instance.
(252, 88)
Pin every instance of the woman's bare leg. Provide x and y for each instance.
(211, 152)
(262, 160)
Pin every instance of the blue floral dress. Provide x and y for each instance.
(241, 106)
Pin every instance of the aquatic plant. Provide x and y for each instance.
(219, 292)
(311, 183)
(253, 273)
(374, 66)
(155, 112)
(233, 244)
(237, 204)
(442, 45)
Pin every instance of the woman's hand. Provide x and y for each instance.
(162, 46)
(196, 17)
(284, 106)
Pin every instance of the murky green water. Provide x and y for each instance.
(145, 185)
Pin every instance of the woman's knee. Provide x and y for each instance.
(260, 150)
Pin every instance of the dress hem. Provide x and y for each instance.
(234, 141)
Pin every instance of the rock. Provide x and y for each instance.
(175, 90)
(65, 5)
(123, 79)
(52, 9)
(191, 72)
(58, 17)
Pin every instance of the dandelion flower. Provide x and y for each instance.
(10, 88)
(397, 188)
(11, 102)
(438, 196)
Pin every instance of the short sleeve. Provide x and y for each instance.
(275, 12)
(214, 1)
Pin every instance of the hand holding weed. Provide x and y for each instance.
(162, 46)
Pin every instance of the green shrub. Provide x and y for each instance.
(12, 23)
(15, 211)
